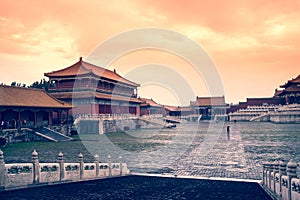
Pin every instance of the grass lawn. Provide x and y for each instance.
(47, 151)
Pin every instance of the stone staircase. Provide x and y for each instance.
(158, 122)
(51, 134)
(262, 117)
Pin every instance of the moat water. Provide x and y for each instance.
(201, 149)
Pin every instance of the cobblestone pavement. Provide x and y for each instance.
(226, 159)
(140, 187)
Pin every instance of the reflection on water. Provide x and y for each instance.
(201, 149)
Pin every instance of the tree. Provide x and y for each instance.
(15, 84)
(43, 84)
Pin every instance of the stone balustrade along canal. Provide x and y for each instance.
(17, 175)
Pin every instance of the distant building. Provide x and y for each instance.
(30, 107)
(178, 111)
(209, 106)
(290, 91)
(150, 107)
(94, 90)
(264, 101)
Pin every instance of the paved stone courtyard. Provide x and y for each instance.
(227, 159)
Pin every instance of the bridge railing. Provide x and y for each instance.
(107, 116)
(15, 175)
(280, 179)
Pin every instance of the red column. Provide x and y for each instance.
(34, 119)
(138, 111)
(49, 117)
(19, 115)
(97, 109)
(67, 116)
(104, 109)
(59, 117)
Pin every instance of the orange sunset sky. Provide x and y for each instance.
(254, 44)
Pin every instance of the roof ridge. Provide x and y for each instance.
(115, 72)
(95, 65)
(89, 68)
(211, 97)
(81, 65)
(298, 77)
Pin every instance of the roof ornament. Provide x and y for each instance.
(80, 58)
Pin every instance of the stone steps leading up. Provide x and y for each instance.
(53, 135)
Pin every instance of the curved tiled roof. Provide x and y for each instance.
(185, 108)
(209, 101)
(296, 80)
(171, 108)
(149, 102)
(291, 82)
(278, 92)
(292, 88)
(28, 97)
(178, 108)
(84, 68)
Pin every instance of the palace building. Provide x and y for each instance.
(28, 107)
(290, 91)
(178, 111)
(150, 107)
(94, 90)
(208, 107)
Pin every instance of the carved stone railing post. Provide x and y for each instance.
(271, 166)
(96, 157)
(109, 165)
(3, 173)
(276, 171)
(61, 165)
(36, 167)
(282, 172)
(291, 173)
(81, 165)
(121, 165)
(265, 174)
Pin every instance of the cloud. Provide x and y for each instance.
(251, 35)
(16, 39)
